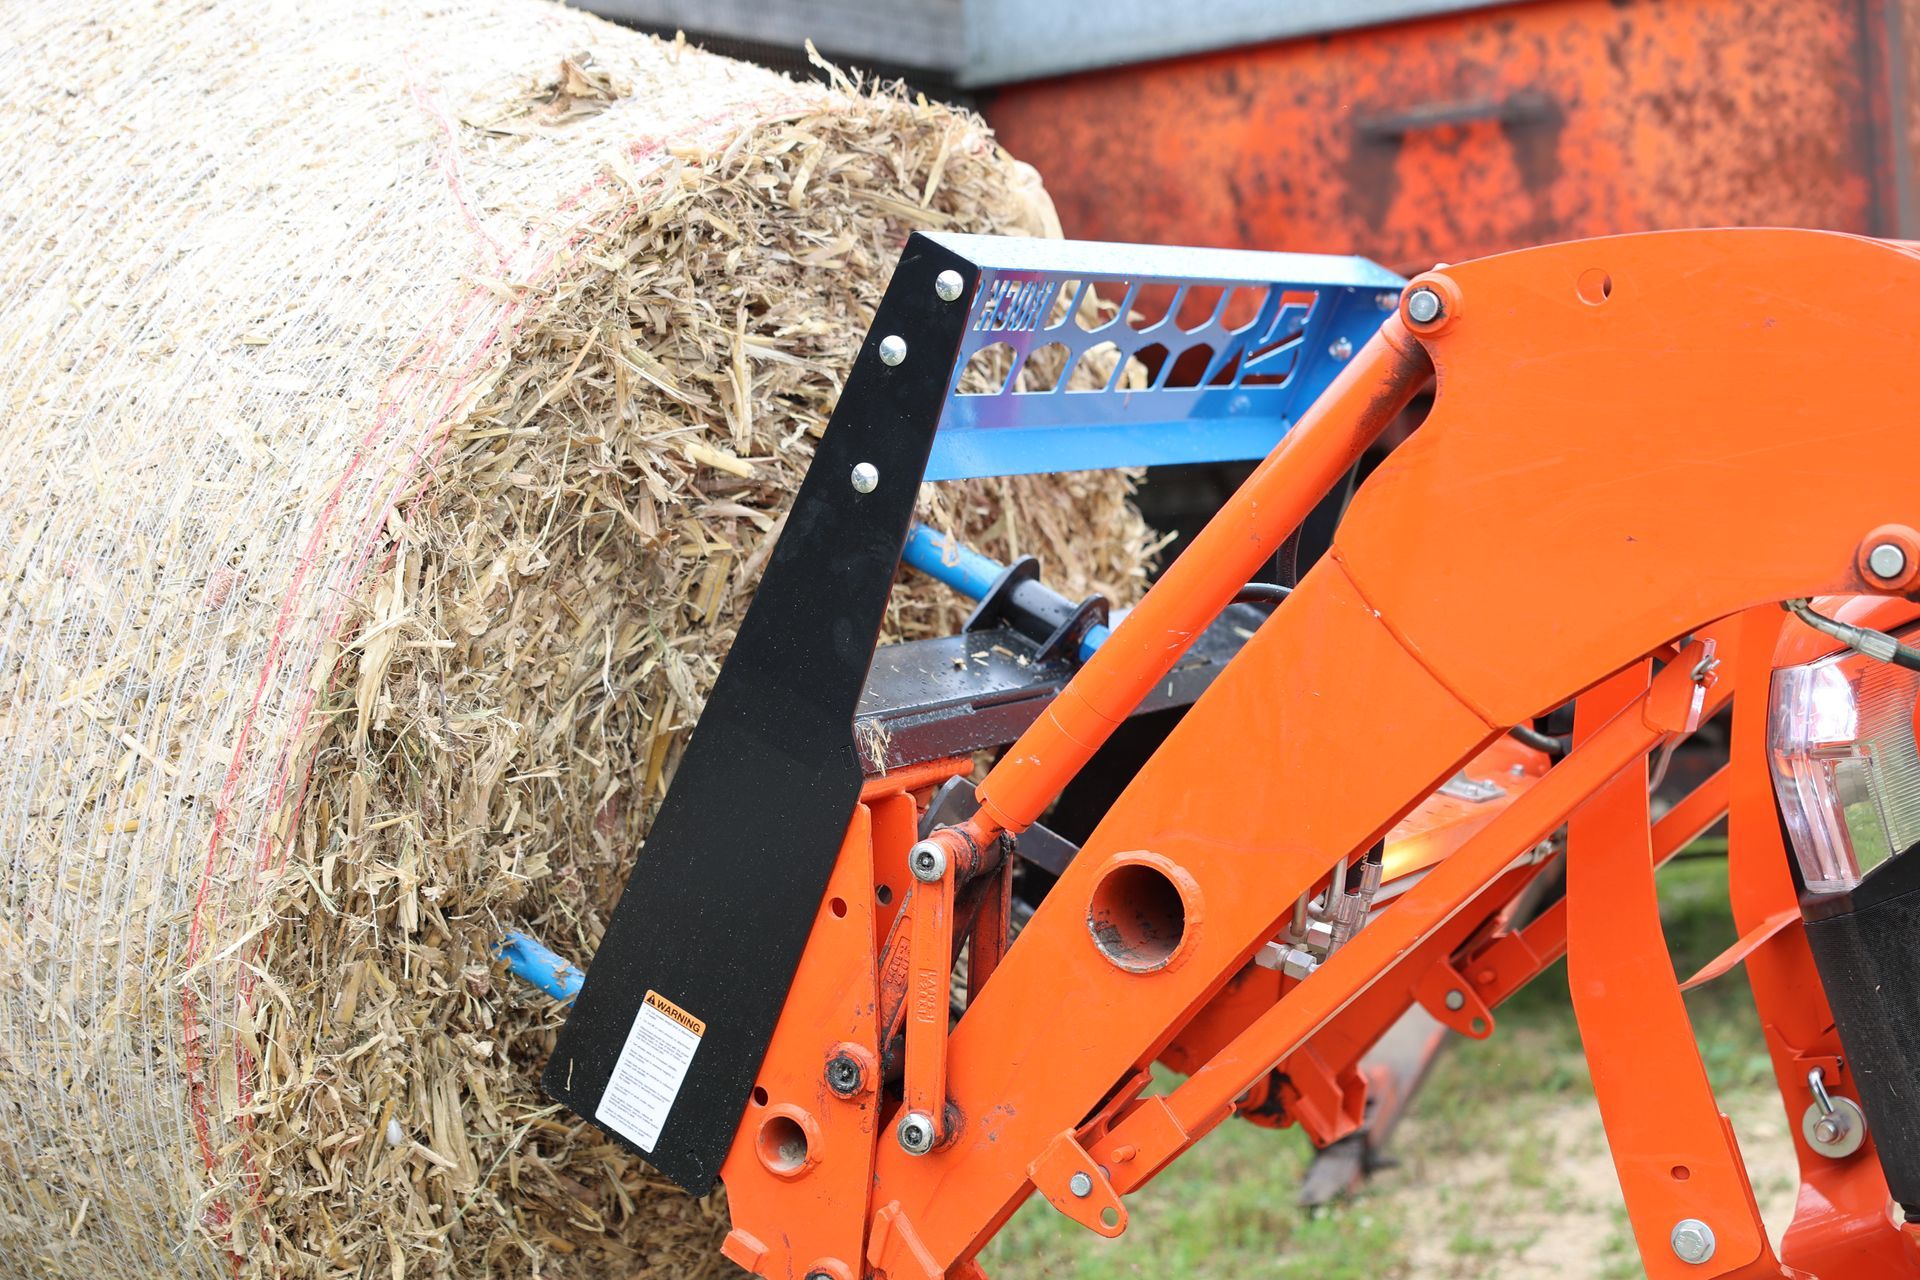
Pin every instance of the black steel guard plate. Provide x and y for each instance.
(719, 905)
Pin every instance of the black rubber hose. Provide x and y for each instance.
(1555, 747)
(1262, 593)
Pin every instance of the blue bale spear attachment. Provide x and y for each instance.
(1235, 402)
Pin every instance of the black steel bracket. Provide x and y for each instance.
(717, 911)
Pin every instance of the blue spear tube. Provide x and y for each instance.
(944, 558)
(531, 962)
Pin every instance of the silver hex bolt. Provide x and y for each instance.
(1386, 299)
(948, 285)
(916, 1133)
(1081, 1185)
(1340, 349)
(866, 477)
(1692, 1240)
(1424, 306)
(927, 860)
(1887, 560)
(1456, 1000)
(893, 349)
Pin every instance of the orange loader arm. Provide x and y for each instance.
(1638, 447)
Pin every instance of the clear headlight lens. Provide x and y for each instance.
(1845, 764)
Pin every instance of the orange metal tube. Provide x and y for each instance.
(1322, 446)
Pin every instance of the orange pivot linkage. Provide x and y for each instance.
(1638, 448)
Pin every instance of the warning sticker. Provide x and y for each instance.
(652, 1065)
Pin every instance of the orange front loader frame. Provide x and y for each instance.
(1638, 447)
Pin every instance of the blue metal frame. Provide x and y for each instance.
(1313, 311)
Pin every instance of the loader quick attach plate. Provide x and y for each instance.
(681, 1000)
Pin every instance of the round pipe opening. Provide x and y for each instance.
(1137, 916)
(782, 1144)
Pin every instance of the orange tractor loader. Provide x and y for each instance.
(1663, 473)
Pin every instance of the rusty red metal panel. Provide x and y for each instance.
(1460, 136)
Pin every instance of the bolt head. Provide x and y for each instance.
(948, 285)
(819, 1275)
(844, 1075)
(927, 860)
(866, 477)
(1692, 1240)
(1340, 349)
(1456, 1000)
(916, 1133)
(1424, 306)
(1081, 1185)
(1887, 560)
(1386, 299)
(1829, 1130)
(893, 349)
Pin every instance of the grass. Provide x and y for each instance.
(1484, 1146)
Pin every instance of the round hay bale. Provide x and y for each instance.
(400, 401)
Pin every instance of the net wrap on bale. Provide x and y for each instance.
(399, 402)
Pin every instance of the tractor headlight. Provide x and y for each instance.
(1845, 764)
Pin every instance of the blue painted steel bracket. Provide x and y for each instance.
(1281, 326)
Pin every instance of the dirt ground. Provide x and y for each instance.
(1546, 1206)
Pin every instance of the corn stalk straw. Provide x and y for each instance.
(399, 402)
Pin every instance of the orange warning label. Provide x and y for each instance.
(657, 1001)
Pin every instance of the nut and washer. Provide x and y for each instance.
(948, 285)
(1887, 560)
(1424, 306)
(1692, 1240)
(844, 1075)
(927, 860)
(1837, 1130)
(1081, 1185)
(893, 349)
(916, 1133)
(866, 477)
